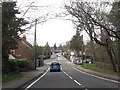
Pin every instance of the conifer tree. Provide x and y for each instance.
(11, 28)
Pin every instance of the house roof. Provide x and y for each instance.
(26, 43)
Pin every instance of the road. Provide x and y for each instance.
(69, 77)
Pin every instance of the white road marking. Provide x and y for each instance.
(70, 77)
(37, 80)
(66, 74)
(97, 76)
(77, 82)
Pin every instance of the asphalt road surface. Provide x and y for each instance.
(69, 77)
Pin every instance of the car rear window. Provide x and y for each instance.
(55, 63)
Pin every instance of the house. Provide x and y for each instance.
(24, 51)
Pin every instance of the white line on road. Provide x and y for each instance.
(66, 74)
(70, 77)
(97, 76)
(77, 82)
(37, 80)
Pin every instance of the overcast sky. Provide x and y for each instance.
(53, 31)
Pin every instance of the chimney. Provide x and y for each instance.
(24, 37)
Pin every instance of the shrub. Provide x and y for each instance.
(5, 68)
(14, 65)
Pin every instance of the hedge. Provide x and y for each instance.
(14, 65)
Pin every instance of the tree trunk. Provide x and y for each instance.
(114, 55)
(93, 51)
(78, 54)
(111, 58)
(119, 55)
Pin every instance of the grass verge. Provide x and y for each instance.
(93, 68)
(9, 77)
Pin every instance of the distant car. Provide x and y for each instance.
(55, 66)
(58, 55)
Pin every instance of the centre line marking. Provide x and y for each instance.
(70, 77)
(66, 74)
(77, 82)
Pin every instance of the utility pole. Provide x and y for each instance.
(35, 44)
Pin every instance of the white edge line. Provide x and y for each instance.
(36, 80)
(77, 82)
(97, 76)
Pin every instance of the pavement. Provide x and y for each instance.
(26, 78)
(32, 75)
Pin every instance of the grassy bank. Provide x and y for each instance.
(93, 68)
(9, 77)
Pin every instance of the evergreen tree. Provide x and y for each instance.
(11, 27)
(39, 50)
(76, 42)
(55, 47)
(47, 50)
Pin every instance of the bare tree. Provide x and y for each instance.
(94, 21)
(32, 11)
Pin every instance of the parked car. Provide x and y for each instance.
(84, 61)
(55, 66)
(88, 60)
(72, 58)
(77, 60)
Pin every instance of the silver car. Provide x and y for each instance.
(78, 61)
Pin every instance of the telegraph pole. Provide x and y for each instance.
(35, 44)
